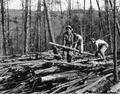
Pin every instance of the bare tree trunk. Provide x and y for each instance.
(8, 33)
(91, 23)
(29, 28)
(108, 24)
(69, 10)
(3, 30)
(22, 1)
(84, 21)
(39, 27)
(100, 20)
(52, 39)
(36, 32)
(81, 26)
(25, 28)
(44, 29)
(17, 30)
(61, 22)
(115, 46)
(117, 23)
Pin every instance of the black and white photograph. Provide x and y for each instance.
(59, 46)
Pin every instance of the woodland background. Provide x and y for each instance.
(23, 31)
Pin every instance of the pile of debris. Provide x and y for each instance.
(50, 76)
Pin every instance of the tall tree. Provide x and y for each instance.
(108, 23)
(81, 24)
(29, 27)
(69, 10)
(117, 22)
(25, 28)
(52, 39)
(3, 30)
(61, 21)
(91, 22)
(115, 46)
(100, 20)
(39, 27)
(8, 27)
(44, 29)
(17, 34)
(22, 2)
(84, 19)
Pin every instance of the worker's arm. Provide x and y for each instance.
(106, 44)
(72, 40)
(64, 40)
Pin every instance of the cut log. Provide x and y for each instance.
(95, 59)
(70, 65)
(72, 84)
(101, 87)
(69, 75)
(41, 65)
(81, 79)
(47, 71)
(115, 88)
(64, 47)
(76, 88)
(86, 82)
(81, 91)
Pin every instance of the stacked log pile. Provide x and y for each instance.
(49, 76)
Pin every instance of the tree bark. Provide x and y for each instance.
(93, 84)
(47, 71)
(25, 28)
(117, 23)
(69, 10)
(52, 39)
(8, 32)
(44, 29)
(100, 20)
(29, 28)
(68, 75)
(3, 30)
(115, 46)
(108, 23)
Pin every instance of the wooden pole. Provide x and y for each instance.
(115, 46)
(3, 30)
(25, 28)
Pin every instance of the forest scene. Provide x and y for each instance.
(59, 46)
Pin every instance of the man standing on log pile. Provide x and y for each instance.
(78, 42)
(68, 41)
(101, 48)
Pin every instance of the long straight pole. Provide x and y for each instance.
(115, 46)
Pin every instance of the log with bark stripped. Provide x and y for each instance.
(68, 75)
(64, 47)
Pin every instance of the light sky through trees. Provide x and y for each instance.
(16, 4)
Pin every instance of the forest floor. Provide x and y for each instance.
(46, 75)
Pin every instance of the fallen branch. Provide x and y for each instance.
(81, 91)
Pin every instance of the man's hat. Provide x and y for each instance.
(92, 39)
(68, 26)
